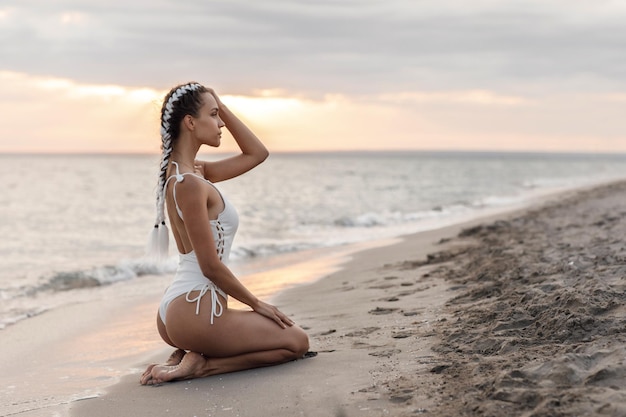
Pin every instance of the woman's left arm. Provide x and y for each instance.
(253, 152)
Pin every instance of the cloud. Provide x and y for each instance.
(612, 97)
(60, 115)
(315, 48)
(480, 97)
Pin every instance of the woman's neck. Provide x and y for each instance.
(184, 163)
(184, 154)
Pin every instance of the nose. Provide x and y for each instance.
(221, 123)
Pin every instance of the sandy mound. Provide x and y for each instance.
(538, 325)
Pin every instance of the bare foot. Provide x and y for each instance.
(190, 367)
(174, 359)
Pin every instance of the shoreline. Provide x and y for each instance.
(359, 370)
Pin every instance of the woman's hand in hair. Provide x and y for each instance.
(215, 96)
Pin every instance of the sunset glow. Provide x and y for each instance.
(75, 117)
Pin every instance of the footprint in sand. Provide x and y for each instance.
(382, 310)
(413, 291)
(439, 369)
(382, 286)
(363, 332)
(404, 334)
(400, 398)
(385, 353)
(389, 299)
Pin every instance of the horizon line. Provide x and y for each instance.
(328, 151)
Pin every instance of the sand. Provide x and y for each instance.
(520, 314)
(537, 323)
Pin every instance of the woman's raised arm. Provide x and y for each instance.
(253, 152)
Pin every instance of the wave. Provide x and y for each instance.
(370, 220)
(98, 276)
(251, 251)
(526, 193)
(14, 310)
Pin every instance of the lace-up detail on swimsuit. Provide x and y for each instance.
(189, 277)
(219, 242)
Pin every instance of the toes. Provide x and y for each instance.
(155, 382)
(148, 377)
(147, 374)
(190, 365)
(148, 370)
(151, 378)
(145, 379)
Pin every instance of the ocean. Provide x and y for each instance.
(77, 222)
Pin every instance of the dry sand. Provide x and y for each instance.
(537, 326)
(522, 315)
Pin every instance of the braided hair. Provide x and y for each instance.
(180, 101)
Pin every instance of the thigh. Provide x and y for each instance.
(235, 332)
(242, 332)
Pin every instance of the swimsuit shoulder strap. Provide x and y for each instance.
(179, 178)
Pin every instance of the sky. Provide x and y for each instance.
(311, 75)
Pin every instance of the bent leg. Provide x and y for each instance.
(194, 365)
(236, 341)
(234, 333)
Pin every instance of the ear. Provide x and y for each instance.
(189, 122)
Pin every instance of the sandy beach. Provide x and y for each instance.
(514, 315)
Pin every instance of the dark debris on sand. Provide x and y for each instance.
(538, 324)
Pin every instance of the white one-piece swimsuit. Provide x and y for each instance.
(189, 277)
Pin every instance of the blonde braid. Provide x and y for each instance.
(159, 238)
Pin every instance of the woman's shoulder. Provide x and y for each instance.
(192, 192)
(189, 185)
(189, 181)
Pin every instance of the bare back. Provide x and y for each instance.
(194, 189)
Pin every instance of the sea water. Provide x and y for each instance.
(70, 222)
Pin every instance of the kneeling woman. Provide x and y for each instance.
(194, 316)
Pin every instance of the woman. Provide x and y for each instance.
(194, 316)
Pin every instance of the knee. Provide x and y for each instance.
(300, 343)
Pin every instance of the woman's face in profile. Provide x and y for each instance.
(208, 124)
